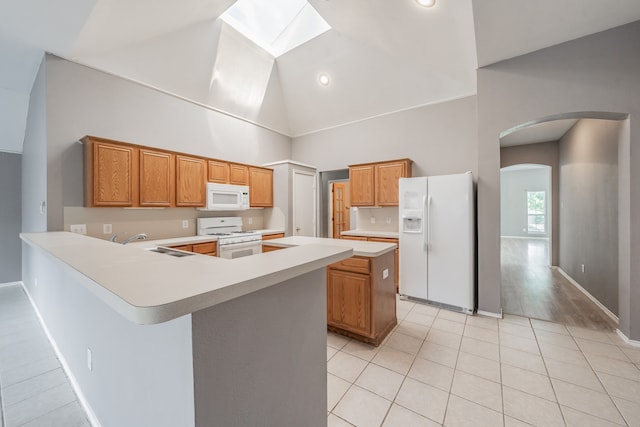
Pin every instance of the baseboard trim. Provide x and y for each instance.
(491, 314)
(628, 341)
(525, 237)
(588, 295)
(6, 285)
(93, 420)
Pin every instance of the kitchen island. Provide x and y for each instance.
(361, 291)
(151, 339)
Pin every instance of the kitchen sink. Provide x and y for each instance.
(168, 251)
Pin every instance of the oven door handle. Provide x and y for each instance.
(233, 246)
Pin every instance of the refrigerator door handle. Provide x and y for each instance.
(425, 231)
(428, 242)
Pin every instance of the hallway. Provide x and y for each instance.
(531, 288)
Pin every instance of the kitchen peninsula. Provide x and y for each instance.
(151, 339)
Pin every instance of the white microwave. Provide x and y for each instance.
(227, 197)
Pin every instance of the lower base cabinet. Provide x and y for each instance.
(361, 297)
(207, 248)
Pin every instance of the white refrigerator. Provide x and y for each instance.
(437, 240)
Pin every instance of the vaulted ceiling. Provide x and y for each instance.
(381, 56)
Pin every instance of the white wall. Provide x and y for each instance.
(514, 185)
(142, 374)
(440, 139)
(82, 101)
(34, 158)
(589, 212)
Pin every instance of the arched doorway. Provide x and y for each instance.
(580, 284)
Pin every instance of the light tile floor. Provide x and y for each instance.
(436, 368)
(444, 368)
(34, 390)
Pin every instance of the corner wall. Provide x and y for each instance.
(598, 73)
(10, 217)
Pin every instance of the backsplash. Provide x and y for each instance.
(156, 223)
(376, 219)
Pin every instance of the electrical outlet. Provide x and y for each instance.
(373, 220)
(582, 266)
(385, 273)
(250, 220)
(78, 228)
(107, 229)
(388, 220)
(185, 223)
(89, 359)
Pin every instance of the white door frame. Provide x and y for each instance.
(293, 199)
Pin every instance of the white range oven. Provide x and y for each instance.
(232, 241)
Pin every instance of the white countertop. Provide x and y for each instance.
(148, 287)
(269, 231)
(366, 249)
(366, 233)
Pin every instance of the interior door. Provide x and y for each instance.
(304, 204)
(340, 214)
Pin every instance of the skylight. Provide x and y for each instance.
(277, 26)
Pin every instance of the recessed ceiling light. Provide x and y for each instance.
(324, 79)
(426, 3)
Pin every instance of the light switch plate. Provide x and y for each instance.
(185, 223)
(107, 229)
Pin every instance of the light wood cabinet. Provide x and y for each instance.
(238, 174)
(387, 176)
(269, 248)
(272, 236)
(376, 184)
(186, 248)
(354, 238)
(157, 178)
(360, 302)
(260, 187)
(111, 171)
(191, 177)
(361, 182)
(207, 248)
(118, 174)
(349, 301)
(218, 171)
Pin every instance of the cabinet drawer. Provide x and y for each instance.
(383, 240)
(354, 264)
(186, 248)
(267, 248)
(272, 236)
(354, 238)
(205, 248)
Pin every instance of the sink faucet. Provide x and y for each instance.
(140, 236)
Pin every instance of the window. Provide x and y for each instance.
(536, 212)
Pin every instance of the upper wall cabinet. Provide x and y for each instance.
(218, 171)
(376, 184)
(238, 174)
(387, 179)
(362, 181)
(191, 173)
(119, 174)
(157, 178)
(260, 187)
(111, 173)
